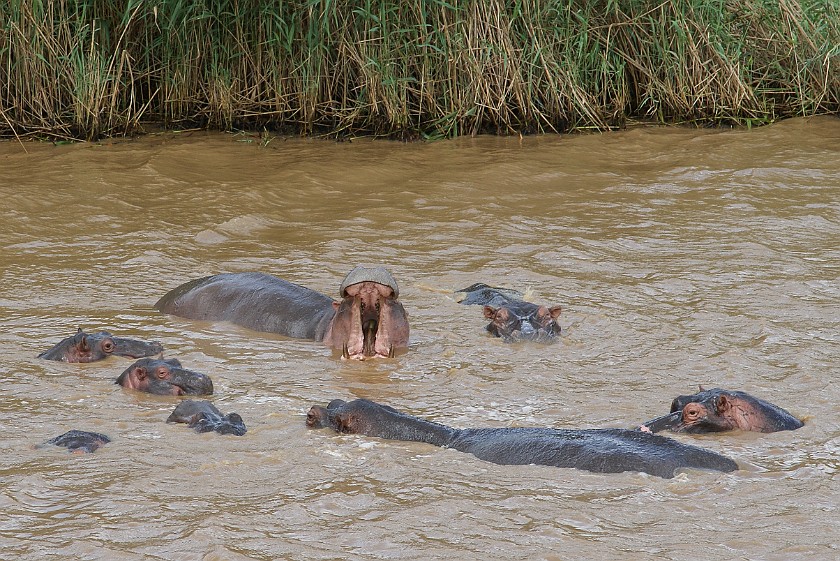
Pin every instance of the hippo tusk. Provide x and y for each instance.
(345, 352)
(391, 352)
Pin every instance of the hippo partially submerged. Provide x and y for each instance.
(368, 322)
(164, 377)
(512, 318)
(204, 417)
(79, 441)
(90, 347)
(718, 410)
(598, 450)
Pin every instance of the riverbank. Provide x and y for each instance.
(94, 68)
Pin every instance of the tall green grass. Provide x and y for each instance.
(439, 68)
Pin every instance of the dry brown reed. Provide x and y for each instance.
(437, 68)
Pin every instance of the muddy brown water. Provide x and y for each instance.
(680, 257)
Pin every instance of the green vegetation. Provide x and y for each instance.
(438, 68)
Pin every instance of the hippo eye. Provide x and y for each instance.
(691, 413)
(162, 373)
(108, 346)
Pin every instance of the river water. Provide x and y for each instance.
(680, 258)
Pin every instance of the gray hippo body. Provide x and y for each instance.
(718, 410)
(367, 322)
(90, 347)
(597, 450)
(79, 441)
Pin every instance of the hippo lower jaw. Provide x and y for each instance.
(345, 354)
(369, 348)
(372, 331)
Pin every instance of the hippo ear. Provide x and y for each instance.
(554, 311)
(83, 344)
(140, 372)
(722, 403)
(489, 312)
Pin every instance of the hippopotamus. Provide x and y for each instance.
(368, 322)
(484, 295)
(512, 318)
(79, 441)
(90, 347)
(164, 377)
(718, 410)
(598, 450)
(204, 417)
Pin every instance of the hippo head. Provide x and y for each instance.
(336, 415)
(523, 321)
(718, 410)
(90, 347)
(369, 321)
(164, 377)
(695, 417)
(204, 417)
(360, 416)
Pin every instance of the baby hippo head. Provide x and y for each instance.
(523, 321)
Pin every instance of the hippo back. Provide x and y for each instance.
(597, 450)
(256, 301)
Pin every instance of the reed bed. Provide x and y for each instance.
(83, 69)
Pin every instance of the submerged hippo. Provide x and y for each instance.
(204, 417)
(598, 450)
(164, 377)
(368, 322)
(79, 441)
(718, 410)
(512, 318)
(90, 347)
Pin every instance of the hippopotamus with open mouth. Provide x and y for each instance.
(204, 417)
(368, 322)
(90, 347)
(718, 410)
(164, 377)
(512, 318)
(597, 450)
(79, 441)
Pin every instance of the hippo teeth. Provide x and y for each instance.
(345, 352)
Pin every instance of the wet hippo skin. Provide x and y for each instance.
(164, 377)
(79, 441)
(368, 321)
(718, 410)
(512, 318)
(90, 347)
(597, 450)
(204, 417)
